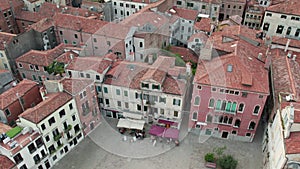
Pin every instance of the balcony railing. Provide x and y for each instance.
(69, 127)
(57, 137)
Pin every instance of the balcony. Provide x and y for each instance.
(69, 127)
(57, 137)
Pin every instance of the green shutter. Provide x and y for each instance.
(228, 106)
(218, 106)
(233, 108)
(105, 90)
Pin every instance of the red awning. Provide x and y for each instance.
(172, 123)
(164, 132)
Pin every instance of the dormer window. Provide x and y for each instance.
(145, 85)
(157, 87)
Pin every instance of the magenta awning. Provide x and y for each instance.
(171, 133)
(172, 123)
(156, 130)
(164, 132)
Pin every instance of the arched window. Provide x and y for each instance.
(241, 107)
(233, 107)
(218, 105)
(209, 118)
(195, 116)
(225, 119)
(223, 105)
(220, 119)
(256, 109)
(211, 102)
(228, 106)
(230, 120)
(197, 100)
(252, 125)
(237, 123)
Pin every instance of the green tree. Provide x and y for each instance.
(227, 162)
(209, 157)
(56, 68)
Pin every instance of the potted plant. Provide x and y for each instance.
(210, 160)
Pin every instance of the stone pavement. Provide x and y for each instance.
(112, 141)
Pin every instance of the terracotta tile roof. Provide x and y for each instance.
(187, 14)
(142, 18)
(4, 128)
(66, 57)
(98, 64)
(173, 86)
(248, 73)
(6, 163)
(5, 38)
(292, 144)
(75, 86)
(203, 25)
(287, 7)
(53, 102)
(10, 96)
(29, 16)
(72, 22)
(164, 63)
(202, 36)
(297, 116)
(154, 74)
(113, 30)
(130, 74)
(187, 54)
(286, 74)
(42, 24)
(42, 58)
(5, 4)
(283, 41)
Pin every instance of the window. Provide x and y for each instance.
(126, 105)
(85, 108)
(178, 2)
(145, 85)
(279, 29)
(256, 109)
(208, 131)
(65, 41)
(176, 102)
(268, 14)
(236, 93)
(31, 148)
(197, 100)
(20, 64)
(119, 103)
(237, 123)
(283, 16)
(43, 126)
(248, 134)
(297, 32)
(175, 113)
(51, 121)
(33, 77)
(18, 158)
(121, 4)
(74, 117)
(138, 107)
(211, 103)
(118, 92)
(162, 99)
(199, 87)
(228, 6)
(209, 118)
(88, 76)
(241, 107)
(60, 32)
(62, 113)
(47, 138)
(218, 105)
(189, 4)
(76, 36)
(288, 31)
(125, 93)
(23, 166)
(266, 27)
(195, 116)
(244, 94)
(213, 89)
(233, 107)
(228, 106)
(252, 125)
(7, 112)
(223, 105)
(105, 90)
(154, 86)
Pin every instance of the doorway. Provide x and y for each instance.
(224, 134)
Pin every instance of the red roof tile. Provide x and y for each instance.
(4, 128)
(187, 14)
(292, 144)
(53, 102)
(5, 38)
(5, 4)
(187, 54)
(297, 116)
(203, 25)
(244, 65)
(287, 7)
(6, 163)
(10, 96)
(283, 41)
(75, 86)
(42, 58)
(97, 64)
(154, 74)
(173, 86)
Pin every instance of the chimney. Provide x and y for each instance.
(71, 56)
(294, 57)
(259, 56)
(287, 45)
(188, 68)
(150, 59)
